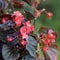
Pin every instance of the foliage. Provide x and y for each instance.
(19, 42)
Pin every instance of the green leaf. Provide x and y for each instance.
(28, 8)
(32, 41)
(52, 53)
(28, 57)
(31, 46)
(31, 49)
(29, 1)
(29, 11)
(9, 53)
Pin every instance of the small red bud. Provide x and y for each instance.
(49, 14)
(45, 48)
(52, 40)
(10, 39)
(42, 36)
(51, 36)
(47, 42)
(23, 42)
(3, 21)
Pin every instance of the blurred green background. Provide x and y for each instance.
(54, 22)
